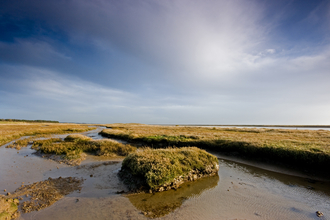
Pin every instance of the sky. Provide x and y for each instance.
(166, 61)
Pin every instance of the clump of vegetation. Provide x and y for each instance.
(302, 148)
(163, 169)
(8, 208)
(74, 145)
(18, 144)
(77, 137)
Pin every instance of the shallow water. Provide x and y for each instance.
(240, 191)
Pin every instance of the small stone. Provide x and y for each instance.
(8, 194)
(4, 190)
(91, 175)
(319, 214)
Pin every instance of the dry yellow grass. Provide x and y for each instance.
(14, 130)
(313, 140)
(311, 146)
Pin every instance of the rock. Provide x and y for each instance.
(319, 214)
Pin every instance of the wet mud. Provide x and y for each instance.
(42, 194)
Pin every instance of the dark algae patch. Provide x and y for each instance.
(164, 169)
(156, 205)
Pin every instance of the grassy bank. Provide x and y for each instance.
(74, 145)
(13, 130)
(303, 148)
(163, 169)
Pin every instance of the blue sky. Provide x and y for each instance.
(177, 62)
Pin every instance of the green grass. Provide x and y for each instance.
(74, 145)
(301, 148)
(162, 166)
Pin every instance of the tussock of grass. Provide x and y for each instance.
(77, 137)
(18, 144)
(308, 148)
(74, 145)
(160, 167)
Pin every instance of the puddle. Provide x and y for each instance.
(163, 203)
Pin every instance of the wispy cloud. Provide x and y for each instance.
(169, 61)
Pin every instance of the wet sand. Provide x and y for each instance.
(239, 192)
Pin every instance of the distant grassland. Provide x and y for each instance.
(12, 130)
(297, 147)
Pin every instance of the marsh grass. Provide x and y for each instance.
(308, 148)
(74, 145)
(161, 166)
(14, 130)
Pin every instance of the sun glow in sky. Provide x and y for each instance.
(150, 61)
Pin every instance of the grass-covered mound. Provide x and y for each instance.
(75, 145)
(8, 208)
(163, 169)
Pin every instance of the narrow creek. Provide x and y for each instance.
(240, 191)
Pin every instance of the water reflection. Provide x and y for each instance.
(266, 176)
(162, 203)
